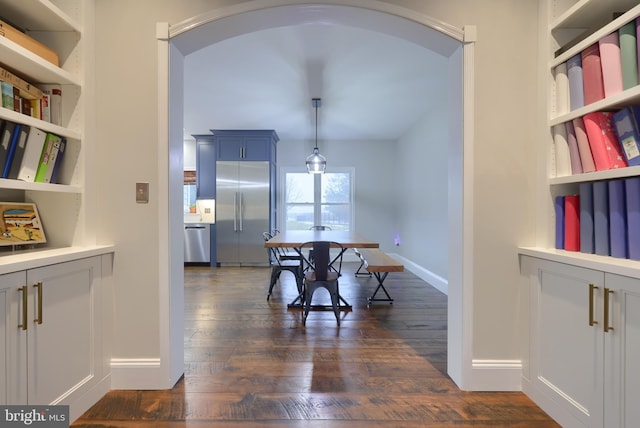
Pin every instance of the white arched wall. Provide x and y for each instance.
(177, 41)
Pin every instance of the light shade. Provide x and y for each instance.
(316, 163)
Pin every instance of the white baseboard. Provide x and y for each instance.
(136, 373)
(431, 278)
(496, 375)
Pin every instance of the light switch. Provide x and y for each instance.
(142, 193)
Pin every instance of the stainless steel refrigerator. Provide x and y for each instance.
(242, 212)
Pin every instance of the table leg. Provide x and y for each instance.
(380, 276)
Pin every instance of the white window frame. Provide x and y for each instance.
(317, 196)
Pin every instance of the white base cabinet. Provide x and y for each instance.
(52, 331)
(584, 344)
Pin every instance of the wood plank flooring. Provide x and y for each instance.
(250, 362)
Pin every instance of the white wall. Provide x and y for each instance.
(127, 149)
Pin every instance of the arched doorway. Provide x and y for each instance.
(195, 33)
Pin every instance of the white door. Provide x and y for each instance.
(64, 343)
(568, 348)
(13, 339)
(622, 368)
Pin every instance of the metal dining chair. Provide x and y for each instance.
(279, 265)
(320, 228)
(322, 272)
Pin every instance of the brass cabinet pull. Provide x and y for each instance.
(592, 288)
(24, 290)
(607, 327)
(38, 287)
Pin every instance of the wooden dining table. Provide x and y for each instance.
(295, 238)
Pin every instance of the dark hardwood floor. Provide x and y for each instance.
(250, 362)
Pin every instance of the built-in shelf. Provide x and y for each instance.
(37, 15)
(585, 12)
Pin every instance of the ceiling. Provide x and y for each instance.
(373, 86)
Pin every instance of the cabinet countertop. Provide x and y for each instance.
(29, 259)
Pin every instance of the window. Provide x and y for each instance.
(318, 199)
(189, 192)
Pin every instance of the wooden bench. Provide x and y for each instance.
(379, 264)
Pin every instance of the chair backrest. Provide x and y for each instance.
(320, 228)
(322, 260)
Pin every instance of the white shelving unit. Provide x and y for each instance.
(590, 380)
(62, 207)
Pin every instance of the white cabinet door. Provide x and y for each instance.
(64, 349)
(622, 371)
(568, 348)
(13, 339)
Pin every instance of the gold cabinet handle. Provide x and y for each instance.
(592, 289)
(38, 288)
(24, 290)
(607, 327)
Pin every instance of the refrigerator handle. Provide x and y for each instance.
(241, 211)
(235, 212)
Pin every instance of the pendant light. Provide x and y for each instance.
(316, 163)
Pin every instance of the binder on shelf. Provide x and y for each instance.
(574, 152)
(17, 152)
(562, 89)
(629, 54)
(56, 166)
(32, 152)
(632, 201)
(559, 208)
(601, 218)
(54, 101)
(562, 155)
(586, 158)
(576, 90)
(603, 141)
(617, 219)
(9, 153)
(46, 157)
(587, 244)
(625, 125)
(6, 134)
(572, 222)
(592, 74)
(611, 64)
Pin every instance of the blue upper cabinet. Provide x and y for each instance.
(205, 167)
(245, 145)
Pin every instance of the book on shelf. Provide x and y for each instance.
(617, 219)
(27, 90)
(8, 153)
(32, 153)
(561, 149)
(587, 244)
(629, 54)
(16, 153)
(562, 89)
(7, 95)
(17, 104)
(632, 203)
(576, 89)
(54, 103)
(601, 218)
(586, 158)
(45, 107)
(626, 126)
(29, 43)
(592, 74)
(572, 222)
(36, 108)
(611, 64)
(574, 151)
(559, 209)
(605, 149)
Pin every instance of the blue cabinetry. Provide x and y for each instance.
(250, 145)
